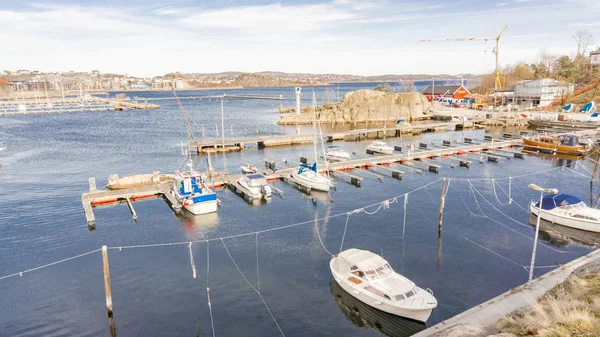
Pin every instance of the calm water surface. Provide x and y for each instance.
(49, 158)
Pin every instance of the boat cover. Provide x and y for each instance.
(552, 201)
(588, 107)
(362, 259)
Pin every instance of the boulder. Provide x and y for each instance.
(365, 105)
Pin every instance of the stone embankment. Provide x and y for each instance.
(366, 105)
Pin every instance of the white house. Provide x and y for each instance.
(540, 92)
(595, 57)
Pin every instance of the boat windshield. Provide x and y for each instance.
(577, 206)
(379, 272)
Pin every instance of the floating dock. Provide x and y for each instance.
(236, 144)
(383, 164)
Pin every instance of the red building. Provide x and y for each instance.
(449, 91)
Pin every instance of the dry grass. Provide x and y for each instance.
(572, 309)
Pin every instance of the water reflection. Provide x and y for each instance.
(559, 159)
(196, 226)
(316, 196)
(365, 316)
(562, 236)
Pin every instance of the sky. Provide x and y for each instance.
(369, 37)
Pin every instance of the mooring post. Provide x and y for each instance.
(442, 201)
(109, 306)
(271, 130)
(245, 134)
(217, 130)
(257, 129)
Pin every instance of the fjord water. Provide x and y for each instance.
(50, 157)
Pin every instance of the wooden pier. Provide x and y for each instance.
(107, 198)
(263, 141)
(339, 170)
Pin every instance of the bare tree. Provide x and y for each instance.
(409, 86)
(583, 38)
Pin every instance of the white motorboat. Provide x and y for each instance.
(308, 176)
(567, 210)
(380, 147)
(369, 278)
(195, 196)
(249, 169)
(254, 186)
(336, 153)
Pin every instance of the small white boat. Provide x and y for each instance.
(254, 186)
(567, 210)
(308, 176)
(336, 153)
(380, 147)
(402, 124)
(195, 196)
(249, 169)
(369, 278)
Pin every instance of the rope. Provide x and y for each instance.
(510, 199)
(257, 274)
(517, 222)
(251, 286)
(496, 194)
(192, 260)
(321, 241)
(404, 224)
(493, 252)
(50, 264)
(344, 235)
(503, 178)
(212, 322)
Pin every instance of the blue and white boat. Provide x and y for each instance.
(568, 108)
(191, 191)
(567, 210)
(589, 107)
(308, 176)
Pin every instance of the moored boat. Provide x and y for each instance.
(369, 278)
(191, 191)
(567, 144)
(567, 210)
(308, 176)
(254, 186)
(336, 153)
(380, 147)
(249, 169)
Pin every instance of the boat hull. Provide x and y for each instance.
(203, 207)
(381, 150)
(333, 157)
(421, 315)
(314, 185)
(582, 224)
(565, 149)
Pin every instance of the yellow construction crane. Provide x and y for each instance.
(497, 82)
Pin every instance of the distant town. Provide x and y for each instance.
(34, 80)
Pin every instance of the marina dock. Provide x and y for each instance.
(380, 166)
(237, 144)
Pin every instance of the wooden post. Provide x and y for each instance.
(107, 290)
(257, 129)
(442, 201)
(592, 184)
(245, 134)
(271, 130)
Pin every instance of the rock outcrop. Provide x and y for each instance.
(366, 105)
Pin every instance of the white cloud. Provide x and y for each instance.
(342, 36)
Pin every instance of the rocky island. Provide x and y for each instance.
(365, 105)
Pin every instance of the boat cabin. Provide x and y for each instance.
(569, 140)
(256, 180)
(372, 269)
(379, 143)
(552, 201)
(190, 187)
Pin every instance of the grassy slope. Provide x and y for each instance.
(570, 309)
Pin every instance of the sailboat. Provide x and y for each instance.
(308, 175)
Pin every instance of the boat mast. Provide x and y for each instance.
(314, 125)
(323, 147)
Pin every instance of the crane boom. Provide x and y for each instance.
(497, 82)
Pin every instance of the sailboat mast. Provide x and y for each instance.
(314, 125)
